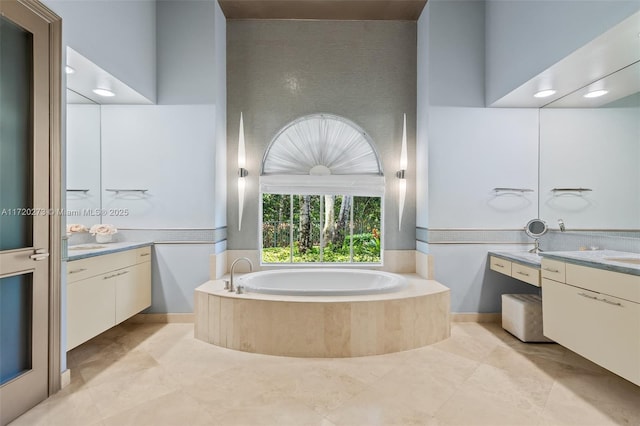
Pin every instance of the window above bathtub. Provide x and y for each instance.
(321, 189)
(321, 229)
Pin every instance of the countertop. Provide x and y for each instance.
(83, 251)
(524, 257)
(601, 259)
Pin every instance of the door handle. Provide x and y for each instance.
(40, 254)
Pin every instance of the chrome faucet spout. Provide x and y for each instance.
(561, 224)
(233, 267)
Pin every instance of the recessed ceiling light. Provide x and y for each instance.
(544, 93)
(69, 70)
(103, 92)
(596, 93)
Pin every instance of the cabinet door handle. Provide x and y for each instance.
(587, 296)
(499, 265)
(122, 273)
(145, 254)
(110, 276)
(611, 303)
(75, 271)
(555, 271)
(522, 273)
(601, 300)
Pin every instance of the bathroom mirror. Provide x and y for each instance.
(589, 174)
(84, 125)
(83, 160)
(589, 156)
(536, 228)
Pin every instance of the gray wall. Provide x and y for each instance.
(526, 37)
(186, 52)
(470, 149)
(491, 142)
(192, 71)
(456, 58)
(119, 36)
(280, 70)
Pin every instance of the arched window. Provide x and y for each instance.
(321, 188)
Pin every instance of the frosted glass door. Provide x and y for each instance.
(24, 209)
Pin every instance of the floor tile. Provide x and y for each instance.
(159, 374)
(490, 397)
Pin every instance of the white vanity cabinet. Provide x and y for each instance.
(595, 313)
(105, 290)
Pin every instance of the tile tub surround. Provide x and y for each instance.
(322, 327)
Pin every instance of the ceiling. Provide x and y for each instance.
(351, 10)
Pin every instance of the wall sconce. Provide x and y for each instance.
(402, 181)
(242, 172)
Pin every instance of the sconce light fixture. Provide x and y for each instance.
(242, 172)
(402, 181)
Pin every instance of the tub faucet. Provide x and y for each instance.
(233, 266)
(561, 224)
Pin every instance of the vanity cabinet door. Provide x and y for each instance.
(602, 328)
(90, 308)
(103, 291)
(133, 291)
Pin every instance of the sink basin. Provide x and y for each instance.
(631, 260)
(86, 247)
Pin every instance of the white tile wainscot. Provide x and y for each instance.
(104, 290)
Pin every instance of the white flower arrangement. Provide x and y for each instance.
(103, 229)
(75, 228)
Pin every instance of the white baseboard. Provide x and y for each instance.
(65, 378)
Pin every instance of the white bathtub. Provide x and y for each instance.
(321, 282)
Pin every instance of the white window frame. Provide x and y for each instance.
(320, 263)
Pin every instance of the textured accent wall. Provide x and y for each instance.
(280, 70)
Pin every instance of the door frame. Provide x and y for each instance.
(55, 187)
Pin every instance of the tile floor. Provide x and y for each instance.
(158, 374)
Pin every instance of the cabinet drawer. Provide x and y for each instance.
(92, 266)
(90, 308)
(133, 290)
(624, 286)
(143, 254)
(500, 265)
(526, 274)
(553, 270)
(84, 268)
(601, 328)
